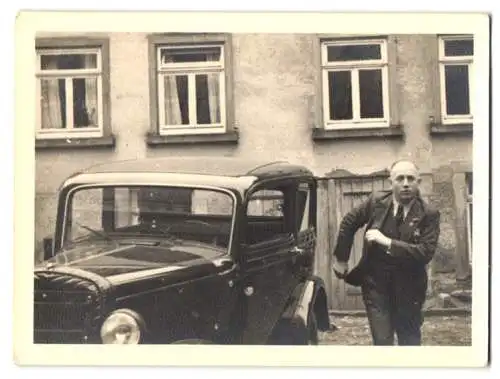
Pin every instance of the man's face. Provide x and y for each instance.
(405, 181)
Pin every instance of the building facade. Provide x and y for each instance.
(332, 102)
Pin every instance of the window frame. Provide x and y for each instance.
(108, 196)
(190, 70)
(224, 132)
(67, 76)
(278, 197)
(75, 137)
(310, 204)
(467, 60)
(288, 214)
(354, 67)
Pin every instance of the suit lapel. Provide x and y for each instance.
(412, 220)
(378, 215)
(410, 223)
(380, 210)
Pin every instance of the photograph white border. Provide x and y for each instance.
(29, 23)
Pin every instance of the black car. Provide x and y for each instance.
(169, 250)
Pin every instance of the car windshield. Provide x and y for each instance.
(148, 214)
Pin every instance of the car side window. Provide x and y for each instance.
(268, 215)
(304, 207)
(266, 203)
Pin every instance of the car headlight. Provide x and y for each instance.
(121, 327)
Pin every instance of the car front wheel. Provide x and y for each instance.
(312, 330)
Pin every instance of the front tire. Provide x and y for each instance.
(286, 333)
(312, 330)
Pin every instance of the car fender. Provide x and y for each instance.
(308, 297)
(312, 299)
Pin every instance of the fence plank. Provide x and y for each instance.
(332, 231)
(358, 251)
(461, 205)
(336, 197)
(347, 205)
(322, 262)
(338, 286)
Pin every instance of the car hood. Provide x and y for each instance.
(124, 262)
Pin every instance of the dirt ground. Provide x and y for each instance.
(436, 330)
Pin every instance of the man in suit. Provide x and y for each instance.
(402, 232)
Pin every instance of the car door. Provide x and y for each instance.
(268, 257)
(306, 225)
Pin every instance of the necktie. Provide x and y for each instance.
(399, 215)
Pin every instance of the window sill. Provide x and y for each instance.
(75, 143)
(230, 137)
(394, 131)
(440, 129)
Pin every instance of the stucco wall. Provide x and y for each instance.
(451, 149)
(275, 81)
(275, 85)
(129, 93)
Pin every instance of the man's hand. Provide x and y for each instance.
(340, 268)
(374, 235)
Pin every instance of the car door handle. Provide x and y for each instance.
(297, 250)
(224, 262)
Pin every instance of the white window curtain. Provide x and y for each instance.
(51, 97)
(213, 92)
(172, 103)
(52, 117)
(91, 94)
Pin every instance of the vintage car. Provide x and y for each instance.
(170, 250)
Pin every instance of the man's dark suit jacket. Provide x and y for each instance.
(419, 233)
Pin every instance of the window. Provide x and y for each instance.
(268, 218)
(456, 64)
(355, 84)
(190, 87)
(70, 92)
(126, 206)
(266, 203)
(115, 212)
(304, 207)
(166, 200)
(85, 213)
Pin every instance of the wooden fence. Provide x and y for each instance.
(338, 193)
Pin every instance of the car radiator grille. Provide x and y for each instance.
(66, 309)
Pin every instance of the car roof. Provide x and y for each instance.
(229, 172)
(218, 166)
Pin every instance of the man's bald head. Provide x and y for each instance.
(404, 165)
(405, 180)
